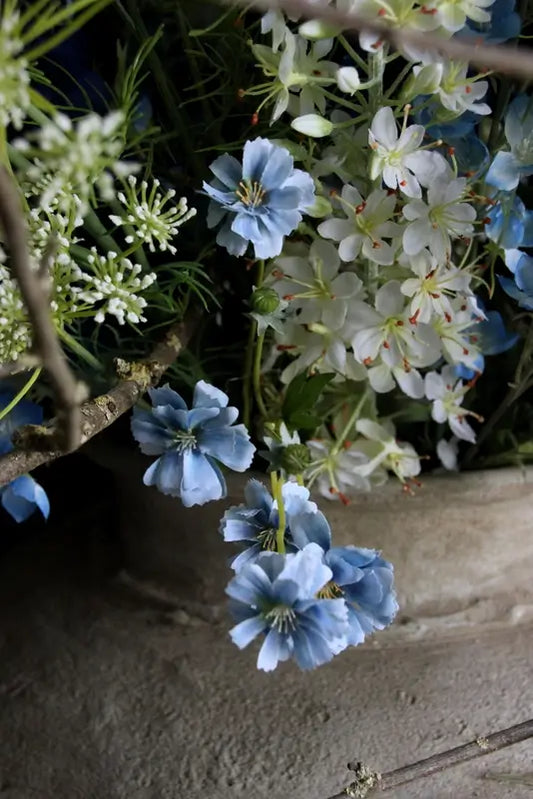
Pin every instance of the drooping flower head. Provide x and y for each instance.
(277, 596)
(255, 523)
(259, 202)
(191, 443)
(359, 576)
(22, 496)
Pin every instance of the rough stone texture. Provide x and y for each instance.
(109, 693)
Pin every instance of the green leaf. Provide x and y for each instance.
(301, 397)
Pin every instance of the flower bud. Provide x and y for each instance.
(264, 301)
(348, 79)
(312, 125)
(316, 29)
(295, 458)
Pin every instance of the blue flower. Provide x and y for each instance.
(360, 576)
(508, 168)
(24, 495)
(521, 289)
(277, 596)
(504, 24)
(491, 337)
(191, 443)
(471, 154)
(255, 524)
(511, 224)
(259, 202)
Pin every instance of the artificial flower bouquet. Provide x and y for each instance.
(349, 215)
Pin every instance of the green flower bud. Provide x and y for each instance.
(264, 301)
(295, 458)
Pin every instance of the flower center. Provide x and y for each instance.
(250, 193)
(330, 591)
(282, 619)
(267, 539)
(184, 440)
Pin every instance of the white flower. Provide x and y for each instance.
(447, 394)
(456, 92)
(71, 160)
(455, 334)
(433, 286)
(312, 284)
(399, 159)
(15, 330)
(147, 212)
(333, 470)
(116, 282)
(385, 452)
(348, 79)
(365, 227)
(14, 75)
(391, 345)
(447, 453)
(274, 21)
(434, 223)
(318, 349)
(452, 14)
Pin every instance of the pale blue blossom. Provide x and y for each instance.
(521, 288)
(277, 596)
(509, 167)
(259, 202)
(191, 443)
(24, 495)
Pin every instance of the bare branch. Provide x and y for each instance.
(368, 783)
(36, 444)
(67, 390)
(500, 58)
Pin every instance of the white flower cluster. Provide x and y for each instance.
(147, 213)
(15, 333)
(70, 160)
(114, 284)
(14, 76)
(384, 294)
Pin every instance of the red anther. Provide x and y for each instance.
(406, 365)
(343, 498)
(451, 150)
(463, 307)
(288, 297)
(434, 294)
(367, 361)
(347, 444)
(277, 273)
(285, 347)
(486, 220)
(332, 297)
(468, 89)
(417, 483)
(474, 339)
(376, 245)
(390, 192)
(448, 317)
(465, 351)
(381, 12)
(377, 45)
(332, 490)
(386, 345)
(403, 183)
(360, 208)
(424, 10)
(399, 323)
(414, 318)
(408, 490)
(470, 173)
(255, 118)
(333, 193)
(317, 72)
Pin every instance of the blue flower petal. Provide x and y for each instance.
(245, 632)
(166, 396)
(207, 396)
(23, 496)
(504, 172)
(255, 157)
(202, 480)
(229, 445)
(228, 170)
(307, 528)
(154, 438)
(275, 648)
(277, 170)
(166, 473)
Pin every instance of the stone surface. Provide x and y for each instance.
(111, 692)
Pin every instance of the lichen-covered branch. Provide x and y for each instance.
(67, 390)
(34, 445)
(369, 783)
(499, 58)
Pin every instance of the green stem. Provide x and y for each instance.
(353, 55)
(79, 349)
(349, 424)
(256, 375)
(22, 393)
(278, 496)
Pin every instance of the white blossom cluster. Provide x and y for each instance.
(383, 295)
(69, 160)
(14, 76)
(147, 213)
(113, 284)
